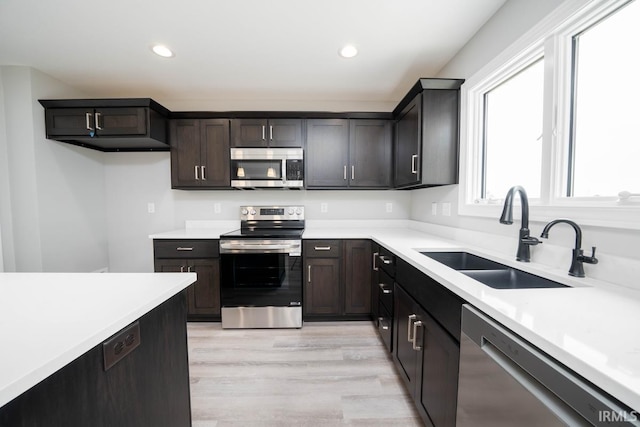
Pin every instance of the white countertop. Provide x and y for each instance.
(49, 319)
(592, 327)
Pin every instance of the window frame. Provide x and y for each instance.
(552, 39)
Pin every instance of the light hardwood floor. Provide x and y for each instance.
(325, 374)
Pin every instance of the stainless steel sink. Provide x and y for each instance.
(491, 273)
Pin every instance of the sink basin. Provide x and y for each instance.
(511, 279)
(464, 261)
(491, 273)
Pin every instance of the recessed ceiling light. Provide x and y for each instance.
(163, 51)
(348, 51)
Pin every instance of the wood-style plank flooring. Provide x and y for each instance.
(325, 374)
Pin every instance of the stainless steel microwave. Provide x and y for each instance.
(267, 168)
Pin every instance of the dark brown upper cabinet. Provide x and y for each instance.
(427, 134)
(108, 124)
(348, 153)
(266, 133)
(200, 153)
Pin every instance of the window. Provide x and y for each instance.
(513, 134)
(605, 141)
(557, 113)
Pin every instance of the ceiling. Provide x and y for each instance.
(243, 51)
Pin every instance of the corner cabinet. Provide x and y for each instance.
(137, 124)
(427, 134)
(337, 279)
(266, 133)
(348, 153)
(201, 257)
(200, 153)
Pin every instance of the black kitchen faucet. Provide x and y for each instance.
(524, 239)
(576, 269)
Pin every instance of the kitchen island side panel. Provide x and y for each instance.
(148, 387)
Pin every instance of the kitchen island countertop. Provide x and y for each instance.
(48, 320)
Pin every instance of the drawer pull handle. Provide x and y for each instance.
(384, 290)
(322, 248)
(385, 260)
(375, 266)
(383, 326)
(180, 248)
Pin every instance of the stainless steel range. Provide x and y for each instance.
(261, 269)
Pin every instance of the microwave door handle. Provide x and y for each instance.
(284, 170)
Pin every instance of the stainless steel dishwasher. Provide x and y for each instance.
(505, 382)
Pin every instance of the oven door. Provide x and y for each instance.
(261, 283)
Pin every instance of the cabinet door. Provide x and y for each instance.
(370, 153)
(439, 374)
(407, 148)
(69, 121)
(215, 171)
(327, 153)
(406, 358)
(357, 263)
(203, 297)
(322, 286)
(121, 121)
(249, 133)
(285, 133)
(185, 139)
(440, 137)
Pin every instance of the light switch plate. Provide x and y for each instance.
(446, 209)
(434, 208)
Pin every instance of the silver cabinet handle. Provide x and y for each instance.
(88, 118)
(182, 269)
(382, 325)
(263, 132)
(385, 260)
(414, 163)
(98, 115)
(182, 248)
(195, 168)
(322, 248)
(417, 324)
(202, 173)
(353, 172)
(188, 269)
(344, 173)
(412, 317)
(309, 273)
(270, 133)
(384, 290)
(375, 266)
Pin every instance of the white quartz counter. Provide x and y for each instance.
(49, 319)
(592, 327)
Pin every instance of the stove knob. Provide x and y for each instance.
(290, 211)
(298, 211)
(253, 212)
(244, 211)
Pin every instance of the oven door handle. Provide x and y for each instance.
(290, 248)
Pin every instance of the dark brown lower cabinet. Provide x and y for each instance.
(195, 256)
(337, 279)
(147, 387)
(427, 358)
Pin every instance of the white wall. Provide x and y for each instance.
(52, 195)
(617, 249)
(136, 179)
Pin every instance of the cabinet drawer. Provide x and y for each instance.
(322, 248)
(385, 327)
(195, 248)
(386, 260)
(385, 291)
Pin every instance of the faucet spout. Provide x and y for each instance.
(578, 257)
(524, 239)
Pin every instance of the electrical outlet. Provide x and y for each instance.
(151, 207)
(217, 208)
(324, 208)
(389, 207)
(446, 208)
(434, 208)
